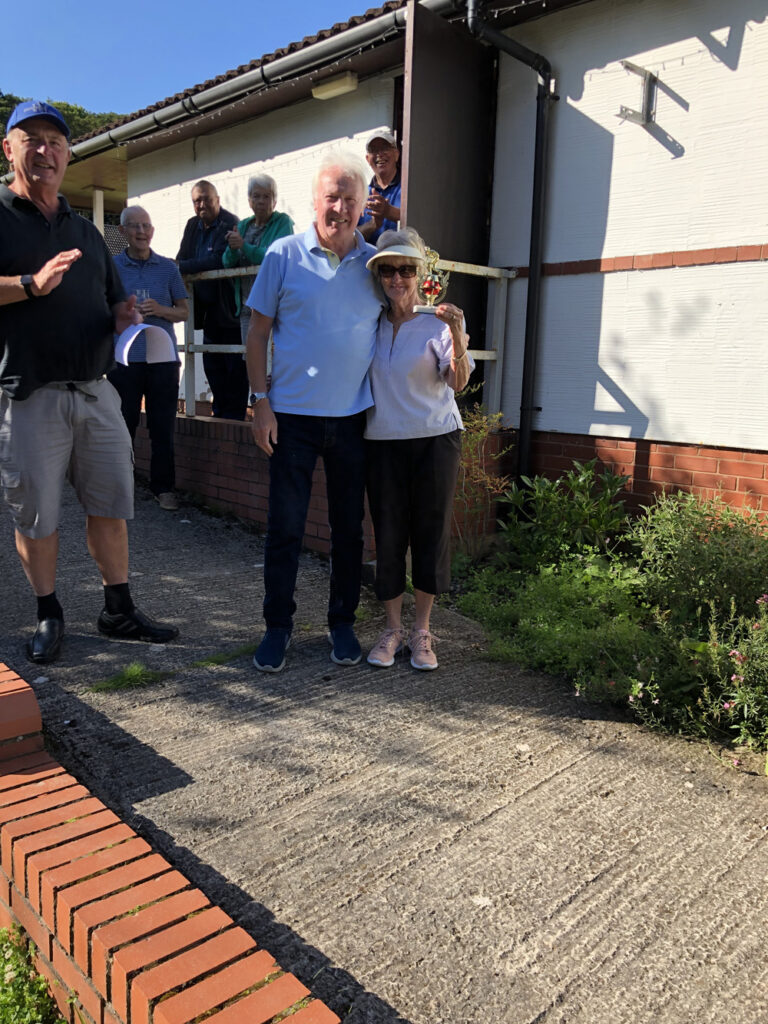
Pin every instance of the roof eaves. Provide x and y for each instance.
(337, 29)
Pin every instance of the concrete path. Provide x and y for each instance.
(464, 846)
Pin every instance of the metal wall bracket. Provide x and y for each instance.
(648, 112)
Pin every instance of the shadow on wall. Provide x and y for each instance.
(596, 376)
(720, 28)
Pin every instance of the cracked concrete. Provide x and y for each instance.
(469, 845)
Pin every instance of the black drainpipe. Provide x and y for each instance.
(544, 97)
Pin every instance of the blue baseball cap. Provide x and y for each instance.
(37, 108)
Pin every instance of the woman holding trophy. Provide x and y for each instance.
(414, 440)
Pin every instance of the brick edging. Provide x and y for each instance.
(113, 921)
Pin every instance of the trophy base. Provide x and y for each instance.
(424, 309)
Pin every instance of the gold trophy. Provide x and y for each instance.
(433, 283)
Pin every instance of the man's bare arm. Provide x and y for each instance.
(264, 426)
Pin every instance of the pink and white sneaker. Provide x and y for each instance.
(420, 644)
(386, 647)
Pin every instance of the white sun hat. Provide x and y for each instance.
(397, 250)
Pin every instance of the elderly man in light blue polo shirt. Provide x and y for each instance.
(314, 292)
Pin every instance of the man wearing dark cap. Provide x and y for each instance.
(382, 208)
(61, 301)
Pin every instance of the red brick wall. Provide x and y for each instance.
(113, 922)
(654, 260)
(740, 477)
(218, 461)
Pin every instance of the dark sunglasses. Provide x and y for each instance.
(407, 270)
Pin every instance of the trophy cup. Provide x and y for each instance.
(433, 283)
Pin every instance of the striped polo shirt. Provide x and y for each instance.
(159, 276)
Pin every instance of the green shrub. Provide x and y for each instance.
(24, 995)
(672, 622)
(716, 686)
(700, 556)
(547, 519)
(582, 619)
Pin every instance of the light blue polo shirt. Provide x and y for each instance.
(324, 329)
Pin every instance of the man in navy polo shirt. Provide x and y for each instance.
(315, 291)
(61, 301)
(162, 301)
(202, 248)
(382, 208)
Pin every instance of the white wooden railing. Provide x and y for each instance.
(493, 355)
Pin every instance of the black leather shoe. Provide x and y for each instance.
(46, 643)
(135, 625)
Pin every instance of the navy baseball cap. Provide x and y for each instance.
(37, 108)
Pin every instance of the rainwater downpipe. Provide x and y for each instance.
(544, 96)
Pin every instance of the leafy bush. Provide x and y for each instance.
(672, 623)
(717, 686)
(700, 557)
(546, 519)
(582, 619)
(24, 996)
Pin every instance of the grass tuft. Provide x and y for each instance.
(133, 676)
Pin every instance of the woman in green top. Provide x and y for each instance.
(248, 242)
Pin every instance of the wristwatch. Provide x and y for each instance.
(256, 396)
(26, 284)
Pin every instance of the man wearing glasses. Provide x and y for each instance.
(162, 301)
(382, 207)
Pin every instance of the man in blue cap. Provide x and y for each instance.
(61, 300)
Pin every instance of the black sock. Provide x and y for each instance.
(48, 607)
(117, 598)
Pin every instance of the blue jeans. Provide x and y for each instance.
(301, 439)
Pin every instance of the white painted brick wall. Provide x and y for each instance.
(683, 350)
(666, 355)
(284, 143)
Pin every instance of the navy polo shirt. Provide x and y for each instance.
(68, 334)
(392, 194)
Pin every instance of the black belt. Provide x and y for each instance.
(80, 386)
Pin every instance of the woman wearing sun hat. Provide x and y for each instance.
(414, 445)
